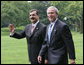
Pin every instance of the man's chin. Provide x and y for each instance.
(51, 20)
(33, 21)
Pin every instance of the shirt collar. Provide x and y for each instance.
(35, 23)
(53, 23)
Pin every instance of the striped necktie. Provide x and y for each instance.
(49, 32)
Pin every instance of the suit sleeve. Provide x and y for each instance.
(43, 32)
(18, 35)
(67, 38)
(43, 50)
(44, 47)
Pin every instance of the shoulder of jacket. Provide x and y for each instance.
(28, 25)
(61, 23)
(43, 25)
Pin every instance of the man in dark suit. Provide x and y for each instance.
(34, 34)
(58, 42)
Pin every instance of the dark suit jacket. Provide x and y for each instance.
(61, 44)
(34, 40)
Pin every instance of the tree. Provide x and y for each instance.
(73, 10)
(41, 7)
(15, 12)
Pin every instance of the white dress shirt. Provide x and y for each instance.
(51, 25)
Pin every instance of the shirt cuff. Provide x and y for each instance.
(11, 34)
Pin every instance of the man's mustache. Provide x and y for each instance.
(32, 18)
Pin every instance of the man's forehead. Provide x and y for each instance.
(50, 10)
(33, 12)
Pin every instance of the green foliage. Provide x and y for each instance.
(17, 12)
(43, 5)
(73, 10)
(6, 31)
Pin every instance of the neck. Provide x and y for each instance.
(54, 20)
(35, 22)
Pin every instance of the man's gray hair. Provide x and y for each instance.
(53, 8)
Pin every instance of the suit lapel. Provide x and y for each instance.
(29, 32)
(54, 30)
(36, 29)
(47, 32)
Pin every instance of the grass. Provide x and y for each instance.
(78, 41)
(14, 51)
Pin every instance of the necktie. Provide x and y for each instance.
(49, 32)
(32, 29)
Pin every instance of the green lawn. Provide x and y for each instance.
(14, 51)
(78, 41)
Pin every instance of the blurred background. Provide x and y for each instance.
(15, 51)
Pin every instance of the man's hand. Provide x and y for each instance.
(39, 59)
(72, 61)
(46, 61)
(11, 27)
